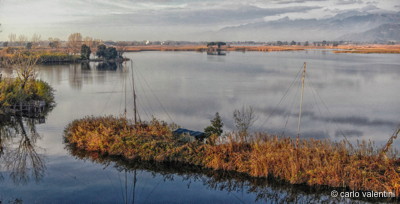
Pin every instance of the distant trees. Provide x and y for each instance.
(29, 45)
(111, 53)
(35, 40)
(219, 44)
(12, 37)
(22, 39)
(107, 53)
(54, 43)
(74, 43)
(101, 49)
(85, 52)
(88, 41)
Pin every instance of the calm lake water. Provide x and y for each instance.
(351, 94)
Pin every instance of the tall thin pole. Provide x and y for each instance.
(134, 95)
(125, 95)
(301, 98)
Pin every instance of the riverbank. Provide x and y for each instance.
(311, 162)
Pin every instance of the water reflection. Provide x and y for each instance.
(265, 190)
(110, 66)
(19, 154)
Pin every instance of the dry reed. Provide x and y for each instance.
(313, 162)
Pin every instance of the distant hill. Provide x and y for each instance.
(382, 33)
(332, 28)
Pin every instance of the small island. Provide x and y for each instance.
(25, 95)
(318, 163)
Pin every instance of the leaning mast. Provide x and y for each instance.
(301, 97)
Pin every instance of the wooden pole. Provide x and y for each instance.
(134, 95)
(301, 98)
(125, 95)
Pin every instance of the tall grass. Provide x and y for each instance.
(311, 162)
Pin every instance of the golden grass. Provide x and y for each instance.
(368, 49)
(312, 162)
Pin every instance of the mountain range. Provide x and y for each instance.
(354, 26)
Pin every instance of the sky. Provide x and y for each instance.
(130, 20)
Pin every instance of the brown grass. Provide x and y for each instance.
(368, 49)
(312, 162)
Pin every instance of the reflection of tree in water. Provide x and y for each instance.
(266, 189)
(75, 76)
(112, 66)
(18, 148)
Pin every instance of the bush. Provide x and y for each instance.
(11, 92)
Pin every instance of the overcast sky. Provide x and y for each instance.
(162, 19)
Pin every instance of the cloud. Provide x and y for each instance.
(203, 16)
(344, 2)
(360, 121)
(352, 120)
(160, 19)
(297, 1)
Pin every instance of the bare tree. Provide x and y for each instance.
(244, 119)
(35, 40)
(12, 37)
(25, 66)
(96, 42)
(22, 39)
(74, 43)
(88, 41)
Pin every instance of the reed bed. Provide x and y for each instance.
(369, 51)
(306, 161)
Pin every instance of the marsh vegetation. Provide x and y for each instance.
(306, 161)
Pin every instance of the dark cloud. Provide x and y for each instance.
(352, 120)
(292, 134)
(360, 121)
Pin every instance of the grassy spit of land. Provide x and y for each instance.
(311, 162)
